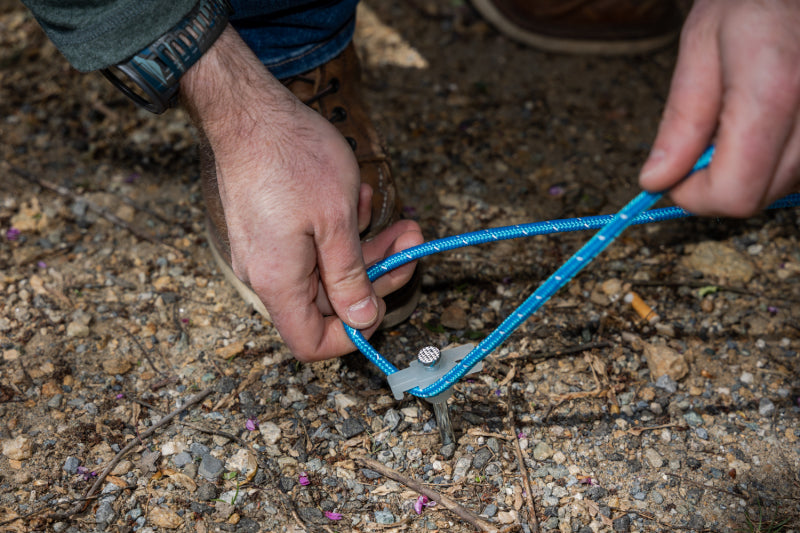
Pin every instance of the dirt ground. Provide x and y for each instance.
(114, 315)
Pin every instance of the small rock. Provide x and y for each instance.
(596, 493)
(162, 517)
(210, 467)
(542, 451)
(270, 432)
(766, 407)
(71, 465)
(693, 419)
(664, 361)
(384, 517)
(511, 517)
(697, 522)
(77, 330)
(286, 484)
(482, 456)
(623, 523)
(18, 449)
(550, 523)
(206, 492)
(122, 468)
(351, 427)
(746, 378)
(448, 450)
(344, 401)
(198, 450)
(243, 461)
(654, 458)
(115, 365)
(718, 260)
(170, 448)
(667, 384)
(392, 419)
(312, 514)
(454, 317)
(182, 459)
(105, 513)
(463, 465)
(490, 510)
(55, 401)
(701, 433)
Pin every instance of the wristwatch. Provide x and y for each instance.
(153, 74)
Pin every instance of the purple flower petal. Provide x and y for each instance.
(120, 396)
(303, 479)
(421, 503)
(333, 516)
(12, 234)
(251, 424)
(41, 264)
(772, 310)
(521, 435)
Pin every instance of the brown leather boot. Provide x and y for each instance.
(607, 27)
(333, 90)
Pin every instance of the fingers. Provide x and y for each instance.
(343, 273)
(693, 105)
(314, 337)
(364, 207)
(398, 237)
(756, 151)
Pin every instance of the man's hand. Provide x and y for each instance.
(290, 187)
(737, 84)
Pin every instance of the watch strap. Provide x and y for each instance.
(157, 68)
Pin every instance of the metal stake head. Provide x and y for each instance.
(429, 355)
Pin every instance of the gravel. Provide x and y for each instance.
(103, 333)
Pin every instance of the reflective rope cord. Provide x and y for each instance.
(634, 213)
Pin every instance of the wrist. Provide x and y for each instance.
(229, 93)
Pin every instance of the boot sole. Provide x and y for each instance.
(399, 305)
(570, 46)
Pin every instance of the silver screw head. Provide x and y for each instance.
(428, 355)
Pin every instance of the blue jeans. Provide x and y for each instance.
(292, 37)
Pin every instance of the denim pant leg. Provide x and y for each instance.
(292, 37)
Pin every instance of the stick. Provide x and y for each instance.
(462, 512)
(114, 219)
(523, 472)
(200, 396)
(559, 353)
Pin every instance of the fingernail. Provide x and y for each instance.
(653, 164)
(363, 313)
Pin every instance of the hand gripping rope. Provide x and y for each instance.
(610, 228)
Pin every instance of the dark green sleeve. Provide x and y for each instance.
(93, 34)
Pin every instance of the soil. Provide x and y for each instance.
(114, 315)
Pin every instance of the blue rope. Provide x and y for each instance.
(610, 226)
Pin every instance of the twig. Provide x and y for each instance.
(462, 512)
(699, 284)
(480, 433)
(709, 487)
(114, 219)
(559, 353)
(199, 397)
(533, 520)
(144, 352)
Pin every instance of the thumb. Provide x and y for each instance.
(344, 278)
